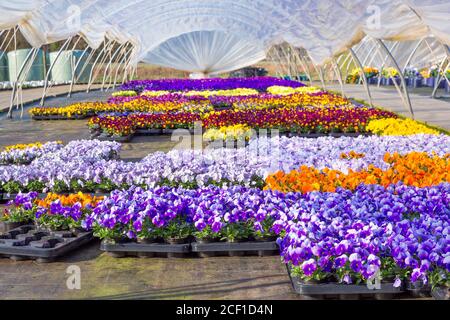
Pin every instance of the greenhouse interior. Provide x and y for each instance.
(225, 149)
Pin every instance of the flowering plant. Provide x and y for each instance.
(258, 83)
(25, 153)
(236, 132)
(280, 90)
(62, 212)
(417, 169)
(125, 93)
(389, 72)
(20, 209)
(391, 126)
(350, 236)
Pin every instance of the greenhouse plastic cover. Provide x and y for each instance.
(213, 36)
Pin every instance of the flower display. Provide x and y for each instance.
(225, 93)
(398, 231)
(88, 167)
(236, 132)
(125, 125)
(348, 237)
(304, 120)
(398, 127)
(25, 153)
(127, 93)
(55, 212)
(80, 109)
(258, 83)
(280, 90)
(295, 100)
(416, 169)
(389, 72)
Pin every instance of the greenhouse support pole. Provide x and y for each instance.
(47, 76)
(384, 63)
(339, 76)
(68, 57)
(127, 66)
(113, 70)
(3, 42)
(402, 77)
(95, 63)
(74, 71)
(123, 58)
(413, 52)
(439, 77)
(369, 54)
(306, 68)
(109, 64)
(25, 69)
(102, 62)
(442, 70)
(13, 94)
(358, 47)
(362, 75)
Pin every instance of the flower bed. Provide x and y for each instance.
(25, 153)
(247, 166)
(304, 120)
(392, 126)
(348, 237)
(51, 227)
(417, 169)
(258, 83)
(397, 232)
(299, 120)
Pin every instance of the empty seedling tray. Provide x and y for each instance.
(260, 248)
(27, 242)
(122, 249)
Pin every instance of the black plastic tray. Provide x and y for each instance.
(117, 139)
(58, 117)
(6, 226)
(318, 135)
(441, 293)
(334, 290)
(260, 248)
(27, 242)
(148, 132)
(123, 249)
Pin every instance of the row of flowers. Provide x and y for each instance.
(258, 83)
(299, 120)
(397, 231)
(172, 103)
(275, 90)
(25, 153)
(247, 166)
(416, 169)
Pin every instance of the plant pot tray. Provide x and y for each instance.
(6, 226)
(343, 291)
(26, 242)
(331, 134)
(148, 132)
(117, 139)
(260, 248)
(123, 249)
(58, 117)
(441, 293)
